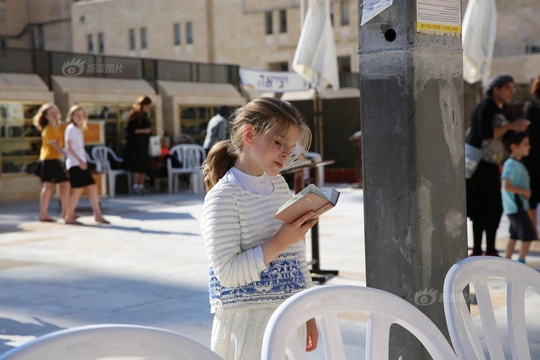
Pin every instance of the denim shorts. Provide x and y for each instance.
(521, 227)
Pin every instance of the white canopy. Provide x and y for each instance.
(479, 28)
(315, 58)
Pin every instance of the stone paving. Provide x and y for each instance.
(148, 267)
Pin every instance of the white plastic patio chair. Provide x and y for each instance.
(111, 340)
(190, 157)
(325, 302)
(477, 271)
(101, 153)
(90, 161)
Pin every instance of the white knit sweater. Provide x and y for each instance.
(234, 222)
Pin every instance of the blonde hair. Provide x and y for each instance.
(264, 115)
(40, 119)
(69, 117)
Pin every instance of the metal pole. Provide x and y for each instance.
(320, 130)
(317, 124)
(411, 86)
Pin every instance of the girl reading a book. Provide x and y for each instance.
(255, 260)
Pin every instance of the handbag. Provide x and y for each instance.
(473, 155)
(154, 146)
(472, 159)
(492, 150)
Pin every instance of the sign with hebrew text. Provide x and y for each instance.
(273, 81)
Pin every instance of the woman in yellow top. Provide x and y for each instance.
(50, 169)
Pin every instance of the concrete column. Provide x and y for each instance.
(411, 88)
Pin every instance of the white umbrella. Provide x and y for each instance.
(479, 27)
(315, 58)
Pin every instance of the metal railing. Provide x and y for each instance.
(48, 63)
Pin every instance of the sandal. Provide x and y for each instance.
(73, 222)
(47, 219)
(102, 221)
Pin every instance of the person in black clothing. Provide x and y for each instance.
(531, 111)
(488, 125)
(139, 130)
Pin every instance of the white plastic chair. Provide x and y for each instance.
(191, 157)
(325, 302)
(101, 154)
(477, 271)
(111, 340)
(90, 161)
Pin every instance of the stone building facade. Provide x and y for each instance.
(260, 34)
(207, 40)
(517, 43)
(36, 24)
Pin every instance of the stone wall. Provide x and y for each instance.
(230, 33)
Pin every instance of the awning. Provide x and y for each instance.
(341, 93)
(86, 89)
(15, 86)
(198, 93)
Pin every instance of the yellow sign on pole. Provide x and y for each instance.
(438, 17)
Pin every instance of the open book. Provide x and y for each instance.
(310, 198)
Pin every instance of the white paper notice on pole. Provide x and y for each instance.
(438, 17)
(373, 8)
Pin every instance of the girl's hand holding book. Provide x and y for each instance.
(287, 235)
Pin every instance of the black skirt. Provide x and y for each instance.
(51, 171)
(136, 158)
(80, 178)
(484, 202)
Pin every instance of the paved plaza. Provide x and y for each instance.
(148, 267)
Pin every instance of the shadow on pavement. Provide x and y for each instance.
(50, 304)
(14, 328)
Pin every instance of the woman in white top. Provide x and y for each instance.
(79, 174)
(256, 261)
